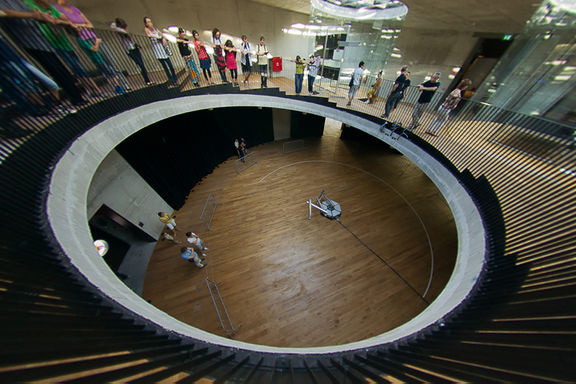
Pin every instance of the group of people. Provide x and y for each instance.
(225, 57)
(400, 88)
(58, 80)
(194, 251)
(427, 90)
(313, 66)
(39, 28)
(241, 148)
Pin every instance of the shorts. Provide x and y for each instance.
(171, 224)
(247, 68)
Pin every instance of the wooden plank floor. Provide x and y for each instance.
(294, 282)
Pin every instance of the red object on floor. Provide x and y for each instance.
(276, 64)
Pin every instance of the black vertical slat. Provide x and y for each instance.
(229, 373)
(366, 372)
(349, 375)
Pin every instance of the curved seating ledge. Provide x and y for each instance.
(71, 178)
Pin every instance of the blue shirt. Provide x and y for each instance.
(187, 255)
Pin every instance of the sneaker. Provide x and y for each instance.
(316, 93)
(205, 248)
(119, 90)
(61, 110)
(203, 266)
(348, 103)
(150, 83)
(204, 255)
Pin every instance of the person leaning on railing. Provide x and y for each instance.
(449, 104)
(161, 50)
(23, 26)
(400, 86)
(186, 53)
(132, 49)
(21, 82)
(427, 89)
(373, 92)
(56, 37)
(87, 37)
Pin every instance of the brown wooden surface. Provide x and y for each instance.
(294, 282)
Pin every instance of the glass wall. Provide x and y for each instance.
(536, 76)
(368, 33)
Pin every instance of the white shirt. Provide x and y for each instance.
(357, 76)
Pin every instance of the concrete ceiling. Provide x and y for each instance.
(474, 15)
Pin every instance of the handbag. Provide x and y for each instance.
(168, 50)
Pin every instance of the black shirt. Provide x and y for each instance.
(402, 82)
(426, 96)
(184, 48)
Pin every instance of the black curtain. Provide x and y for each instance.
(174, 154)
(306, 125)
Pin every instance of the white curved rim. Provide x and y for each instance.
(68, 219)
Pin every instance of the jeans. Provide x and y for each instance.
(416, 113)
(352, 91)
(298, 79)
(440, 119)
(391, 102)
(311, 83)
(110, 65)
(136, 57)
(169, 70)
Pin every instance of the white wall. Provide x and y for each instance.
(116, 184)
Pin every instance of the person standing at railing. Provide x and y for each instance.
(427, 89)
(299, 74)
(219, 57)
(186, 53)
(313, 67)
(449, 104)
(262, 53)
(203, 57)
(355, 81)
(23, 26)
(245, 58)
(18, 80)
(373, 92)
(86, 34)
(397, 93)
(231, 61)
(132, 49)
(55, 36)
(160, 49)
(168, 220)
(93, 53)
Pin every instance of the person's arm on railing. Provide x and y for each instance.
(420, 87)
(96, 45)
(36, 15)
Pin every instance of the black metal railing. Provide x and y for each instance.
(517, 325)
